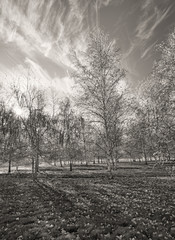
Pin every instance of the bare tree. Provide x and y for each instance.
(97, 74)
(35, 120)
(151, 133)
(10, 127)
(70, 132)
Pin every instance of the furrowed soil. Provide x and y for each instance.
(87, 205)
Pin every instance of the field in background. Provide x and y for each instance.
(124, 163)
(137, 203)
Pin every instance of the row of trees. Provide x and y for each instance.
(103, 121)
(57, 132)
(152, 130)
(36, 133)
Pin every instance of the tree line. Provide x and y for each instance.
(151, 131)
(100, 120)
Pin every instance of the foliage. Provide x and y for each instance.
(97, 74)
(152, 129)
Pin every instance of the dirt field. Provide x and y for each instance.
(87, 204)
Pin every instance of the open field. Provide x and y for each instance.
(138, 203)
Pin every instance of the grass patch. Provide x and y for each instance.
(87, 204)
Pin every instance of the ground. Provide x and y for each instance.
(88, 204)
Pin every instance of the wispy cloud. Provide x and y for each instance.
(50, 29)
(41, 34)
(147, 4)
(151, 18)
(43, 25)
(130, 50)
(148, 49)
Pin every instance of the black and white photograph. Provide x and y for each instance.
(87, 119)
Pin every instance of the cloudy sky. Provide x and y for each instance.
(36, 36)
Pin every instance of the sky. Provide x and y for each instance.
(37, 36)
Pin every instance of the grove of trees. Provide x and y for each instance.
(151, 132)
(99, 121)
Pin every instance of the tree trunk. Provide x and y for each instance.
(70, 165)
(37, 163)
(109, 165)
(98, 159)
(144, 153)
(110, 169)
(10, 162)
(146, 161)
(33, 165)
(61, 164)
